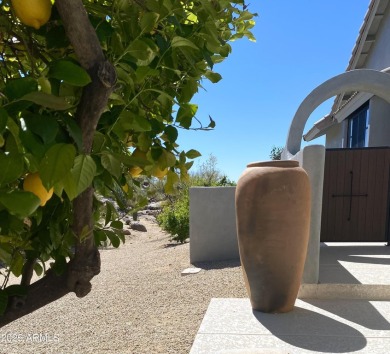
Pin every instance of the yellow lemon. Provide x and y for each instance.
(33, 183)
(135, 171)
(34, 13)
(157, 172)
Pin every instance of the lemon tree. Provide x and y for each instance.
(93, 95)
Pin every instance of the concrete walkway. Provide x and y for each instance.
(342, 314)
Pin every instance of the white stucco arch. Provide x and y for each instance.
(361, 80)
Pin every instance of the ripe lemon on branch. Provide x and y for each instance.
(34, 13)
(33, 183)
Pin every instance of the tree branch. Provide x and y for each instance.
(28, 271)
(44, 291)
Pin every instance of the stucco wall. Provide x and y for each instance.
(379, 123)
(335, 136)
(213, 234)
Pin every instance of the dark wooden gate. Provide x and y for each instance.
(356, 195)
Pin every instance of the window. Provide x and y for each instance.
(359, 127)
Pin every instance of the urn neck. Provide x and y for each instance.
(275, 163)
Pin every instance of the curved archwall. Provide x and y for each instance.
(362, 80)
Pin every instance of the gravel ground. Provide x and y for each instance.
(140, 303)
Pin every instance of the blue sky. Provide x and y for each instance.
(300, 44)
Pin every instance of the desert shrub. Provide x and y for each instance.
(175, 218)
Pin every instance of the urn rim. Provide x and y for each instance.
(274, 163)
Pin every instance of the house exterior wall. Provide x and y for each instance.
(378, 59)
(379, 123)
(335, 136)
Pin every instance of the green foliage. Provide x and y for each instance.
(161, 50)
(276, 153)
(175, 218)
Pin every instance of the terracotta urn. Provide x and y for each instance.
(273, 220)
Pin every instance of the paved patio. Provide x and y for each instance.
(349, 311)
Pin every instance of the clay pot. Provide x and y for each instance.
(273, 219)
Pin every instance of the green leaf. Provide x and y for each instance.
(110, 213)
(244, 16)
(113, 237)
(143, 71)
(129, 121)
(74, 131)
(192, 154)
(59, 266)
(188, 165)
(167, 159)
(69, 72)
(111, 164)
(80, 177)
(172, 179)
(148, 21)
(225, 50)
(70, 186)
(48, 101)
(38, 269)
(44, 126)
(3, 119)
(17, 88)
(212, 76)
(182, 42)
(11, 167)
(99, 140)
(144, 50)
(171, 132)
(32, 143)
(188, 91)
(212, 123)
(117, 225)
(56, 164)
(20, 203)
(99, 237)
(185, 114)
(17, 264)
